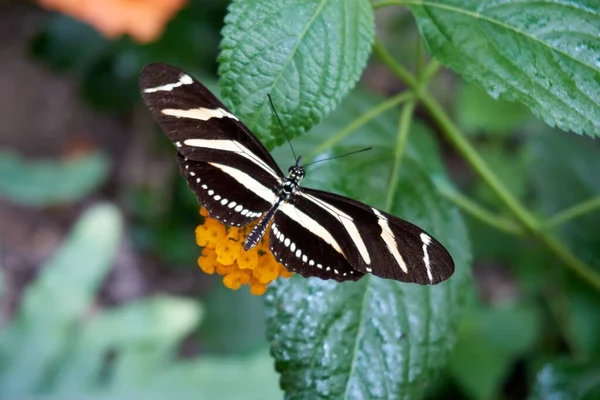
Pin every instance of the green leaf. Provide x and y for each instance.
(306, 54)
(374, 338)
(478, 113)
(490, 341)
(46, 183)
(57, 299)
(143, 334)
(564, 171)
(243, 378)
(229, 378)
(544, 55)
(566, 380)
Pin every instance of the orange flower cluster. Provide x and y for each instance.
(143, 20)
(223, 253)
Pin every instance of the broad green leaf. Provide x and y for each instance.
(143, 334)
(374, 338)
(228, 378)
(542, 54)
(306, 54)
(478, 113)
(46, 183)
(564, 171)
(563, 379)
(57, 299)
(490, 341)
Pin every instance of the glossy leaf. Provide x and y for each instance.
(46, 183)
(56, 300)
(544, 55)
(373, 339)
(306, 54)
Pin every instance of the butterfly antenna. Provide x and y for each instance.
(282, 128)
(340, 156)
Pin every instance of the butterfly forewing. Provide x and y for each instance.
(223, 162)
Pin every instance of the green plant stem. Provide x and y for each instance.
(430, 70)
(386, 3)
(480, 213)
(572, 213)
(362, 120)
(469, 153)
(401, 139)
(398, 69)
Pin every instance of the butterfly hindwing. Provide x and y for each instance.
(294, 244)
(219, 193)
(376, 242)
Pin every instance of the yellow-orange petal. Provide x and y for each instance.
(235, 279)
(233, 233)
(202, 235)
(208, 261)
(228, 251)
(215, 232)
(257, 288)
(248, 259)
(204, 212)
(225, 269)
(284, 272)
(266, 271)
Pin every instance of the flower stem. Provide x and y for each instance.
(572, 213)
(362, 120)
(477, 211)
(401, 139)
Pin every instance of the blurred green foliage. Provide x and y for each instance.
(46, 183)
(526, 326)
(60, 346)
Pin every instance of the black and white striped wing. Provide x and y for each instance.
(228, 169)
(303, 244)
(369, 240)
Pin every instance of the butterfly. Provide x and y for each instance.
(311, 232)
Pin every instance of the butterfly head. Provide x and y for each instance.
(296, 173)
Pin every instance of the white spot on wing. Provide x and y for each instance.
(426, 242)
(200, 113)
(184, 79)
(390, 240)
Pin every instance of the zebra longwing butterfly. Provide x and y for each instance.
(312, 232)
